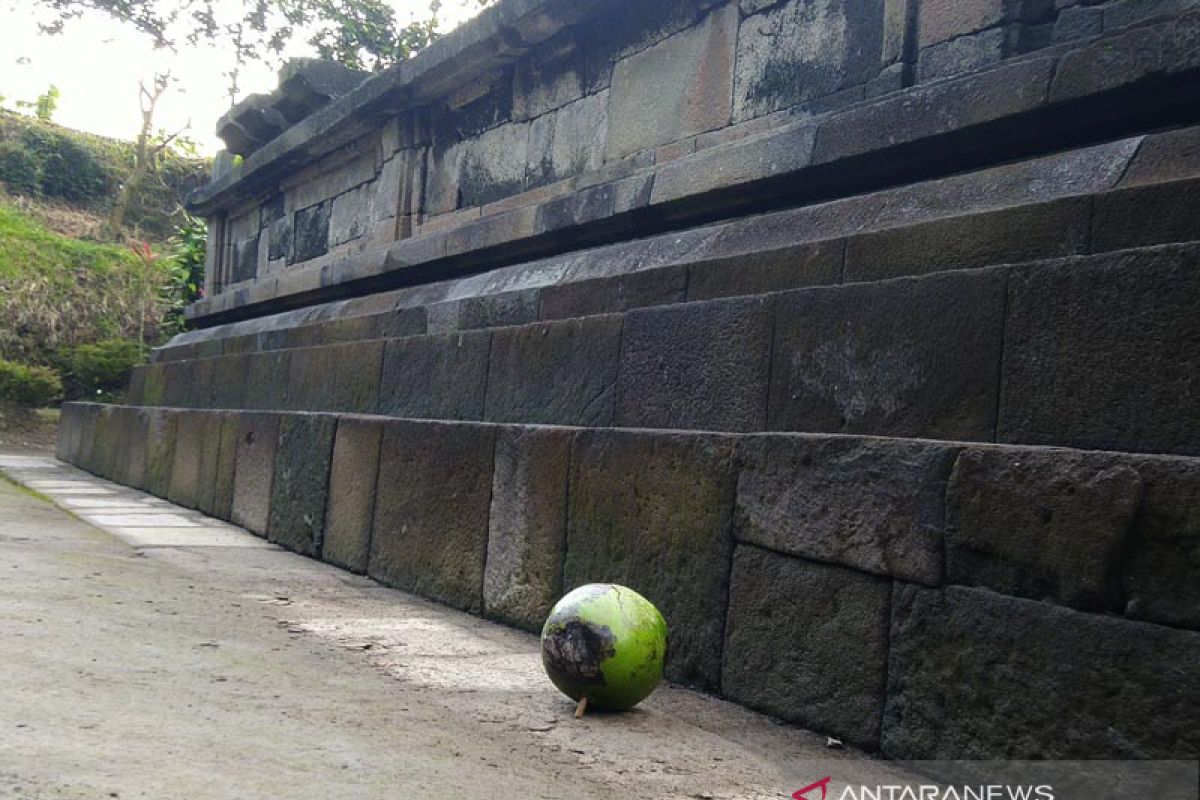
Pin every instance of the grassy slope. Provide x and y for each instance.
(57, 291)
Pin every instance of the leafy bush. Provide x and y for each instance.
(69, 171)
(19, 169)
(187, 272)
(101, 369)
(28, 386)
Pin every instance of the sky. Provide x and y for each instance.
(96, 64)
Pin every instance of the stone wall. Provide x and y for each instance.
(926, 599)
(584, 118)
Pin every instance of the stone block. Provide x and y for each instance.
(916, 358)
(210, 424)
(976, 675)
(258, 438)
(1164, 157)
(581, 298)
(752, 273)
(1007, 236)
(431, 510)
(555, 373)
(343, 377)
(154, 391)
(229, 381)
(190, 431)
(808, 643)
(435, 376)
(939, 108)
(942, 20)
(872, 504)
(348, 215)
(678, 88)
(178, 391)
(653, 511)
(527, 526)
(1146, 215)
(803, 50)
(570, 141)
(1164, 553)
(267, 381)
(218, 466)
(495, 310)
(136, 448)
(160, 450)
(966, 53)
(493, 165)
(310, 234)
(135, 395)
(351, 508)
(1047, 525)
(300, 487)
(1100, 353)
(698, 366)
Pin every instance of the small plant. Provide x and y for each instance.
(187, 272)
(19, 169)
(28, 386)
(101, 370)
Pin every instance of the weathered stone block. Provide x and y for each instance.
(495, 310)
(220, 498)
(556, 373)
(351, 508)
(902, 358)
(310, 234)
(160, 450)
(581, 298)
(678, 88)
(190, 431)
(942, 20)
(813, 264)
(873, 504)
(1008, 236)
(527, 527)
(435, 377)
(976, 675)
(136, 448)
(267, 381)
(804, 50)
(1160, 572)
(966, 53)
(258, 438)
(699, 366)
(342, 377)
(348, 216)
(300, 486)
(808, 643)
(178, 377)
(570, 141)
(1146, 215)
(652, 511)
(1100, 353)
(493, 165)
(228, 388)
(431, 510)
(1047, 525)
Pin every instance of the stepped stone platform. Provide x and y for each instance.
(863, 338)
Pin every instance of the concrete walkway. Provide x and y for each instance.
(151, 652)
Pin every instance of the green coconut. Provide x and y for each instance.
(605, 643)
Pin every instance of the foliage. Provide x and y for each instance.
(28, 386)
(19, 169)
(100, 370)
(57, 292)
(186, 285)
(46, 104)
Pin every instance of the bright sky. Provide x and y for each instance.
(96, 63)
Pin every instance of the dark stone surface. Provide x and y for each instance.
(902, 358)
(160, 450)
(812, 264)
(136, 448)
(607, 295)
(351, 507)
(873, 504)
(267, 381)
(310, 235)
(229, 382)
(201, 384)
(258, 437)
(301, 483)
(136, 394)
(1163, 560)
(431, 510)
(211, 425)
(154, 390)
(178, 389)
(494, 310)
(653, 511)
(435, 377)
(1146, 215)
(527, 526)
(1008, 236)
(245, 265)
(184, 486)
(1101, 353)
(223, 475)
(808, 643)
(1047, 525)
(343, 377)
(699, 366)
(556, 373)
(976, 675)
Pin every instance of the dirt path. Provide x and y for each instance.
(241, 671)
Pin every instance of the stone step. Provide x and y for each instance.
(881, 590)
(1088, 200)
(1096, 352)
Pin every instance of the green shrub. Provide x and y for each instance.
(101, 369)
(28, 386)
(68, 169)
(19, 169)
